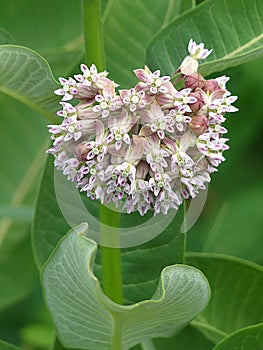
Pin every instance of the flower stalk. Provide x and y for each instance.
(93, 33)
(110, 257)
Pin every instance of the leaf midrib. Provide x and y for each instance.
(243, 47)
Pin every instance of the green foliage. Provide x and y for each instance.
(26, 77)
(138, 21)
(6, 346)
(76, 301)
(227, 277)
(245, 339)
(233, 28)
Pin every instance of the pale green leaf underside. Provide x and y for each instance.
(232, 28)
(249, 338)
(85, 318)
(26, 76)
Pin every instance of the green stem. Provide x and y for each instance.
(116, 339)
(110, 257)
(185, 233)
(93, 33)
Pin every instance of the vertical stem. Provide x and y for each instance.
(110, 257)
(184, 233)
(93, 34)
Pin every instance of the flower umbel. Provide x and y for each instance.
(145, 148)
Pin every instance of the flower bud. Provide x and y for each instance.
(82, 151)
(199, 124)
(194, 81)
(196, 106)
(211, 85)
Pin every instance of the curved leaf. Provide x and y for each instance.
(249, 338)
(232, 28)
(236, 288)
(87, 319)
(26, 76)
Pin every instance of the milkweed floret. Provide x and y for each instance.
(145, 148)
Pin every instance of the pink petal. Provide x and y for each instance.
(63, 81)
(59, 92)
(142, 74)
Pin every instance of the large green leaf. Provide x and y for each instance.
(51, 224)
(18, 273)
(87, 319)
(232, 28)
(137, 21)
(26, 76)
(23, 139)
(249, 338)
(236, 288)
(239, 214)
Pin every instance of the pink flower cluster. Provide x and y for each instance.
(144, 148)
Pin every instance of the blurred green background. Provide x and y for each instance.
(232, 219)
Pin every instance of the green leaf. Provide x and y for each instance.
(241, 211)
(26, 76)
(22, 212)
(184, 340)
(7, 346)
(60, 44)
(232, 28)
(37, 335)
(5, 37)
(249, 338)
(77, 303)
(18, 273)
(51, 224)
(236, 300)
(137, 21)
(23, 139)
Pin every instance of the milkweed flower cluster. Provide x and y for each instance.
(144, 148)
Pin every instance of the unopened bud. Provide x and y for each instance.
(194, 81)
(199, 124)
(211, 85)
(82, 151)
(196, 106)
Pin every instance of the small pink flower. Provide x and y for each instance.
(68, 90)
